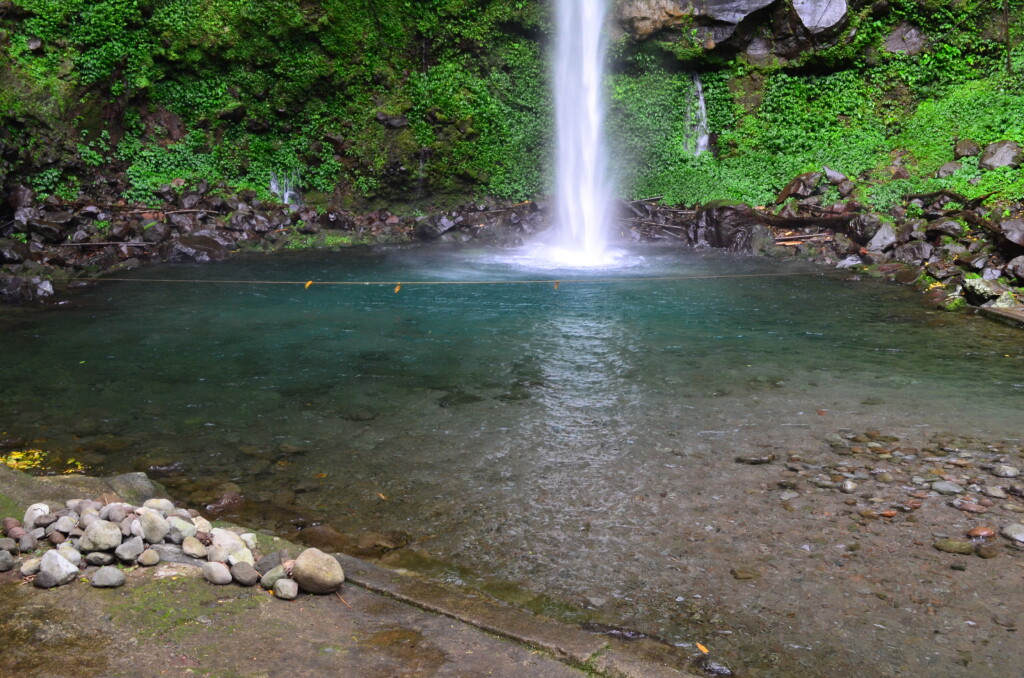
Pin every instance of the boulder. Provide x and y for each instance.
(28, 523)
(194, 249)
(966, 148)
(1011, 233)
(245, 574)
(950, 227)
(153, 527)
(977, 291)
(217, 573)
(948, 169)
(733, 227)
(1016, 267)
(1001, 154)
(914, 252)
(317, 572)
(821, 16)
(803, 186)
(863, 227)
(906, 38)
(883, 239)
(286, 589)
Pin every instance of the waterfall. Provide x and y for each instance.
(697, 119)
(583, 189)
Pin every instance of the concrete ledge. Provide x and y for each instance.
(1014, 317)
(609, 657)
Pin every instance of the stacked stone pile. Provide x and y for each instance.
(53, 546)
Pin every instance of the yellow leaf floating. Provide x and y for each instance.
(702, 648)
(556, 284)
(398, 287)
(308, 283)
(383, 498)
(321, 475)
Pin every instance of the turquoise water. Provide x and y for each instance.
(509, 427)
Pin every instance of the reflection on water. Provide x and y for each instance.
(517, 429)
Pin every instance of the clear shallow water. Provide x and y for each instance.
(517, 430)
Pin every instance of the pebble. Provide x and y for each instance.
(149, 558)
(108, 577)
(947, 487)
(756, 459)
(245, 574)
(216, 573)
(1014, 532)
(959, 546)
(30, 567)
(286, 589)
(8, 544)
(995, 492)
(742, 573)
(847, 487)
(788, 495)
(987, 551)
(1005, 471)
(6, 561)
(982, 532)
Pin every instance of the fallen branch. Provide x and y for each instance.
(103, 244)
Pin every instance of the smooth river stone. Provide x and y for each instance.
(102, 535)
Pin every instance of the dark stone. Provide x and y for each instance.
(236, 114)
(950, 227)
(272, 560)
(731, 227)
(863, 227)
(13, 252)
(914, 252)
(977, 290)
(1001, 154)
(846, 188)
(834, 177)
(392, 121)
(803, 186)
(49, 231)
(966, 148)
(906, 38)
(883, 239)
(1016, 267)
(20, 196)
(947, 169)
(245, 574)
(1011, 232)
(941, 270)
(155, 232)
(195, 249)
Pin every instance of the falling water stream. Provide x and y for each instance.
(583, 189)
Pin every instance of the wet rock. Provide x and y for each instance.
(850, 262)
(863, 227)
(803, 186)
(756, 459)
(883, 239)
(713, 668)
(978, 291)
(130, 550)
(947, 487)
(906, 38)
(317, 572)
(821, 16)
(966, 148)
(1001, 154)
(55, 570)
(959, 546)
(286, 589)
(101, 535)
(195, 249)
(950, 227)
(731, 227)
(1004, 471)
(108, 577)
(947, 169)
(149, 558)
(1014, 532)
(982, 532)
(1016, 267)
(245, 574)
(987, 551)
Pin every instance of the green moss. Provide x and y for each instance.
(955, 304)
(177, 606)
(10, 508)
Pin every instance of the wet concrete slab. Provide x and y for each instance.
(1013, 317)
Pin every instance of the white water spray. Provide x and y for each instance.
(583, 189)
(698, 139)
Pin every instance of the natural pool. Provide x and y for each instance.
(576, 442)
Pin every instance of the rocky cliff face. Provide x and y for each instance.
(758, 27)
